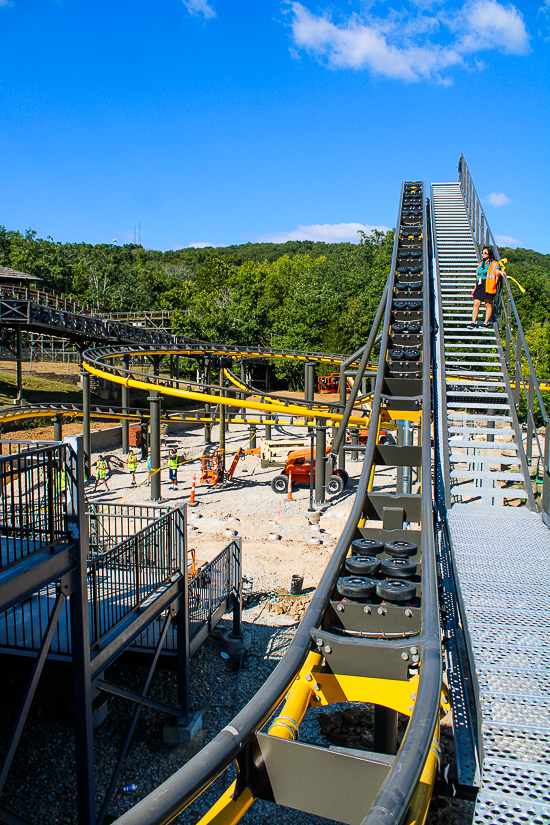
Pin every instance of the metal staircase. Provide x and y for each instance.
(482, 458)
(496, 555)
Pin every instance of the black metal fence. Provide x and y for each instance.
(210, 594)
(110, 524)
(123, 577)
(33, 511)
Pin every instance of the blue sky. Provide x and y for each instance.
(226, 121)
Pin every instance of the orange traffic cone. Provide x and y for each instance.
(289, 493)
(192, 502)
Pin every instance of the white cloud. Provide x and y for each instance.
(489, 22)
(197, 245)
(506, 240)
(410, 44)
(327, 232)
(196, 7)
(497, 199)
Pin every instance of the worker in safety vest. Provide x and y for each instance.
(60, 482)
(488, 274)
(101, 472)
(132, 462)
(173, 469)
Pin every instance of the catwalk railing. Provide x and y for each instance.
(122, 578)
(33, 514)
(516, 351)
(110, 524)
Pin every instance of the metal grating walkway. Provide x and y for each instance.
(507, 614)
(501, 553)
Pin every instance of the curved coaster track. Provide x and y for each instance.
(406, 598)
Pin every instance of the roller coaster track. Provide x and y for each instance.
(379, 643)
(373, 637)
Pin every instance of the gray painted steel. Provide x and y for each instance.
(501, 553)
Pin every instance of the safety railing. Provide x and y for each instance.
(45, 298)
(110, 524)
(516, 351)
(212, 586)
(33, 511)
(122, 578)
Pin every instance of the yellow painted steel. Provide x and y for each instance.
(390, 693)
(227, 810)
(291, 409)
(300, 695)
(423, 794)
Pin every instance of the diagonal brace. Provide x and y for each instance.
(31, 689)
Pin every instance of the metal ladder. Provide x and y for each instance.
(482, 450)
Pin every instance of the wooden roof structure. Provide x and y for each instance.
(9, 275)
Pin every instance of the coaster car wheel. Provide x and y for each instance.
(400, 548)
(355, 587)
(398, 567)
(363, 565)
(366, 547)
(396, 590)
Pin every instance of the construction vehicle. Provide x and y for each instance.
(212, 465)
(329, 383)
(274, 453)
(298, 466)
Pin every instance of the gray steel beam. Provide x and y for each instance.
(154, 420)
(21, 580)
(85, 378)
(125, 400)
(320, 458)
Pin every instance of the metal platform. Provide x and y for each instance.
(506, 551)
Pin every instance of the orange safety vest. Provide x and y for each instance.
(491, 280)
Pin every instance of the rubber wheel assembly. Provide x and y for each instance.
(362, 565)
(355, 587)
(366, 547)
(396, 590)
(400, 548)
(398, 567)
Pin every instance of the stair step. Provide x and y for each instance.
(482, 445)
(484, 462)
(475, 364)
(483, 431)
(472, 474)
(494, 492)
(474, 417)
(476, 406)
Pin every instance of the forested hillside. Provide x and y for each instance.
(297, 295)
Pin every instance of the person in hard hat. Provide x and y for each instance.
(173, 469)
(488, 273)
(132, 462)
(101, 472)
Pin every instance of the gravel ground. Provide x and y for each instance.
(41, 783)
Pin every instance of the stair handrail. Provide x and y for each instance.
(481, 229)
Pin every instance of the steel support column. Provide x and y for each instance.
(87, 438)
(252, 437)
(154, 407)
(18, 365)
(268, 432)
(341, 409)
(309, 381)
(80, 636)
(125, 397)
(58, 427)
(320, 458)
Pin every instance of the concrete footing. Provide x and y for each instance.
(179, 734)
(233, 645)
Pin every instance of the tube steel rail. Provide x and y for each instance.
(382, 649)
